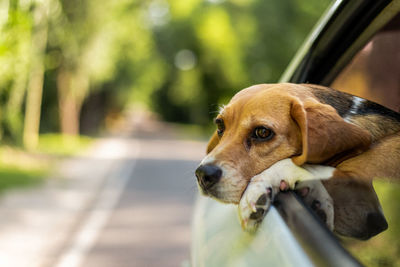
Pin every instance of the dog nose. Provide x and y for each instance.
(208, 175)
(376, 223)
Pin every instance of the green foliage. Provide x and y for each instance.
(15, 56)
(21, 169)
(96, 58)
(15, 177)
(62, 145)
(179, 58)
(235, 44)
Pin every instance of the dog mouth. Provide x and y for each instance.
(220, 182)
(203, 190)
(209, 191)
(221, 194)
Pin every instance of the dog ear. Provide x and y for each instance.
(214, 140)
(357, 210)
(325, 134)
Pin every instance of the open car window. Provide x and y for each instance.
(374, 74)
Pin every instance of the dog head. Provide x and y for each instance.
(267, 123)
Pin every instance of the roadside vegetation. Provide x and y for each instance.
(73, 67)
(22, 168)
(65, 70)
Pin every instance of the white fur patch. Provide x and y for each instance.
(221, 109)
(319, 171)
(357, 102)
(207, 160)
(291, 173)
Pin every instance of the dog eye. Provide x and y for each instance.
(263, 133)
(220, 127)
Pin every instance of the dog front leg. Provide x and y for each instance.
(283, 175)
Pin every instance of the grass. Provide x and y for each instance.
(11, 177)
(384, 249)
(19, 168)
(62, 145)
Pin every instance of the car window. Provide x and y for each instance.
(374, 74)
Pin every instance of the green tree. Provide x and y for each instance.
(179, 58)
(15, 58)
(36, 73)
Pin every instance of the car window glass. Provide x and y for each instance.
(374, 74)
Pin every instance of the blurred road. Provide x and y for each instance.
(129, 204)
(150, 225)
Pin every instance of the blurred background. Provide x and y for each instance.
(74, 67)
(75, 71)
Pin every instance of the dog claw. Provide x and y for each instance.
(253, 207)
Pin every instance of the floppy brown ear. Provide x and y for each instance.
(357, 210)
(325, 134)
(214, 140)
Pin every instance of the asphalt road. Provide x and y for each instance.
(126, 201)
(149, 225)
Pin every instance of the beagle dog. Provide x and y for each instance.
(326, 144)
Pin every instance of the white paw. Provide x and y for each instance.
(255, 203)
(263, 187)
